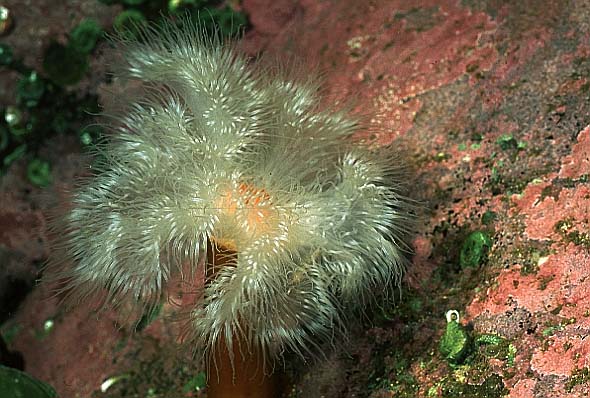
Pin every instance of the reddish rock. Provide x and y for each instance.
(577, 163)
(490, 102)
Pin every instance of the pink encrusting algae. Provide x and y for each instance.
(495, 119)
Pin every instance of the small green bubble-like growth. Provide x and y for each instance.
(16, 154)
(129, 22)
(84, 36)
(29, 89)
(39, 172)
(454, 344)
(15, 120)
(474, 249)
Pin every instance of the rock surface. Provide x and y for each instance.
(490, 100)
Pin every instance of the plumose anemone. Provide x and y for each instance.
(239, 172)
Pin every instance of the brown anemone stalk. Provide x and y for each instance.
(238, 373)
(212, 157)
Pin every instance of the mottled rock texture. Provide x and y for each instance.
(489, 100)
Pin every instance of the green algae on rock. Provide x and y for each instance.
(492, 387)
(30, 89)
(454, 344)
(39, 172)
(6, 56)
(84, 36)
(64, 65)
(128, 23)
(474, 249)
(17, 384)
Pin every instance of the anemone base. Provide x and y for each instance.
(241, 374)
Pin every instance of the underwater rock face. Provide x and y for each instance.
(492, 98)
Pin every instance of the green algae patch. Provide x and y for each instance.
(39, 172)
(128, 23)
(489, 217)
(197, 383)
(494, 346)
(8, 332)
(6, 55)
(578, 376)
(396, 378)
(472, 377)
(85, 36)
(492, 387)
(64, 64)
(30, 89)
(455, 343)
(566, 229)
(17, 384)
(475, 249)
